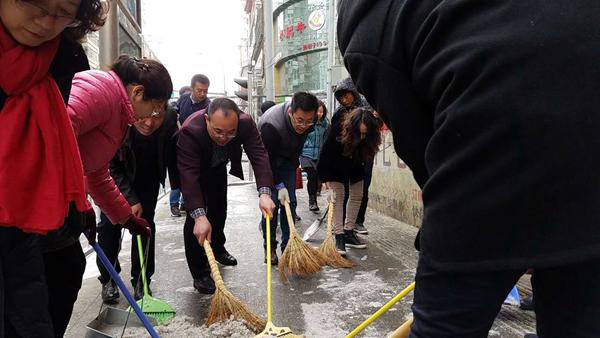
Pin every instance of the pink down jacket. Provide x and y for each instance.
(101, 114)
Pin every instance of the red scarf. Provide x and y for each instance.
(40, 166)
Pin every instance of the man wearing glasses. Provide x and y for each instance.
(284, 128)
(207, 142)
(189, 103)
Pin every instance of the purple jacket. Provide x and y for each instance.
(195, 149)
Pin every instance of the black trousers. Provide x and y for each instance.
(465, 304)
(64, 275)
(214, 189)
(360, 218)
(109, 237)
(313, 180)
(23, 292)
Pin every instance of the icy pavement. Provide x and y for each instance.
(329, 304)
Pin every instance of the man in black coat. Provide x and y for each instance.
(138, 168)
(494, 106)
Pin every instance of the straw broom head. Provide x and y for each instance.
(328, 249)
(224, 304)
(299, 258)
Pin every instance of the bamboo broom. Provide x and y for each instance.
(327, 248)
(224, 304)
(298, 258)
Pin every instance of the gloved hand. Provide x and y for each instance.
(88, 219)
(283, 195)
(138, 226)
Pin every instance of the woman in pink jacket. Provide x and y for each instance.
(102, 107)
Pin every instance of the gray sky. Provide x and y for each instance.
(196, 36)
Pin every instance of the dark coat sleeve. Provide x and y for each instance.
(119, 170)
(271, 141)
(190, 164)
(257, 154)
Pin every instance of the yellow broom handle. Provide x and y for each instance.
(288, 213)
(269, 291)
(213, 264)
(381, 311)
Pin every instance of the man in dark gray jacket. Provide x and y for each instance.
(494, 106)
(283, 129)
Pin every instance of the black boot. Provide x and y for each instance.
(205, 285)
(352, 241)
(274, 258)
(312, 203)
(340, 244)
(225, 258)
(110, 293)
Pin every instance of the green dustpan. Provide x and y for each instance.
(151, 306)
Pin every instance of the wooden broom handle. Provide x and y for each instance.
(288, 213)
(214, 268)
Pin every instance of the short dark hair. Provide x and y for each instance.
(305, 101)
(266, 105)
(146, 72)
(224, 104)
(92, 15)
(184, 89)
(200, 78)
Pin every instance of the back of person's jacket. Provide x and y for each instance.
(333, 165)
(494, 106)
(101, 113)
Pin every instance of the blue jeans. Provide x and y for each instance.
(287, 176)
(175, 196)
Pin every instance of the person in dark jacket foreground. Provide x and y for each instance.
(283, 129)
(352, 141)
(493, 105)
(207, 142)
(138, 168)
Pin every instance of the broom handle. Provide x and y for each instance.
(288, 213)
(269, 291)
(141, 255)
(115, 276)
(214, 269)
(330, 218)
(381, 311)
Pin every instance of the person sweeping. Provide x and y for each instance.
(352, 141)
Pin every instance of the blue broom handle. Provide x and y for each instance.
(115, 276)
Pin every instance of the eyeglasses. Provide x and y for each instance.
(37, 10)
(303, 123)
(224, 136)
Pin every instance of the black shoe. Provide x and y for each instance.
(352, 241)
(225, 258)
(312, 203)
(297, 218)
(139, 291)
(205, 285)
(527, 304)
(274, 258)
(175, 212)
(340, 244)
(182, 208)
(110, 293)
(359, 228)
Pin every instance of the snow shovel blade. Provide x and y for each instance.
(314, 227)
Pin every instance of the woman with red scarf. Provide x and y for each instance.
(40, 168)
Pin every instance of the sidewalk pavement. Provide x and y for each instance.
(328, 304)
